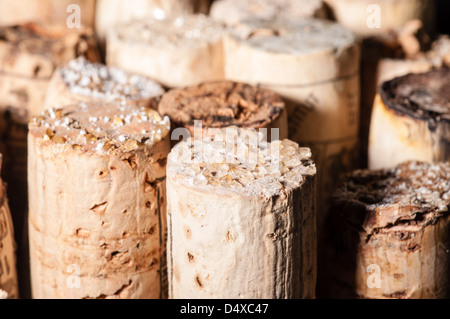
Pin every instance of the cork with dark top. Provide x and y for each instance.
(388, 234)
(225, 103)
(411, 120)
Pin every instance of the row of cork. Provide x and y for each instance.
(119, 208)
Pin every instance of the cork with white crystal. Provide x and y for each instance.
(111, 13)
(176, 51)
(225, 103)
(314, 66)
(241, 217)
(82, 81)
(371, 17)
(97, 202)
(411, 120)
(30, 52)
(60, 12)
(388, 234)
(234, 11)
(8, 273)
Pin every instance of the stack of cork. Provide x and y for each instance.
(194, 149)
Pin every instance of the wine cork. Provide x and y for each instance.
(438, 56)
(234, 11)
(111, 13)
(30, 53)
(371, 17)
(176, 52)
(314, 66)
(8, 273)
(396, 53)
(67, 13)
(81, 81)
(241, 218)
(97, 202)
(387, 234)
(225, 103)
(411, 120)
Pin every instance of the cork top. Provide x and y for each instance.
(172, 32)
(100, 127)
(235, 160)
(233, 11)
(423, 96)
(221, 104)
(38, 38)
(293, 36)
(99, 81)
(412, 191)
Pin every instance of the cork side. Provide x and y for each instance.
(238, 161)
(221, 104)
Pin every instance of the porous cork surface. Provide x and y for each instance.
(99, 81)
(100, 127)
(411, 193)
(172, 32)
(299, 36)
(422, 96)
(238, 160)
(47, 40)
(220, 104)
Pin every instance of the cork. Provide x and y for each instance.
(409, 49)
(225, 103)
(175, 51)
(30, 53)
(111, 13)
(411, 120)
(97, 202)
(314, 66)
(81, 81)
(241, 218)
(388, 234)
(8, 273)
(234, 11)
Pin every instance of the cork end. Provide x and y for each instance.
(239, 160)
